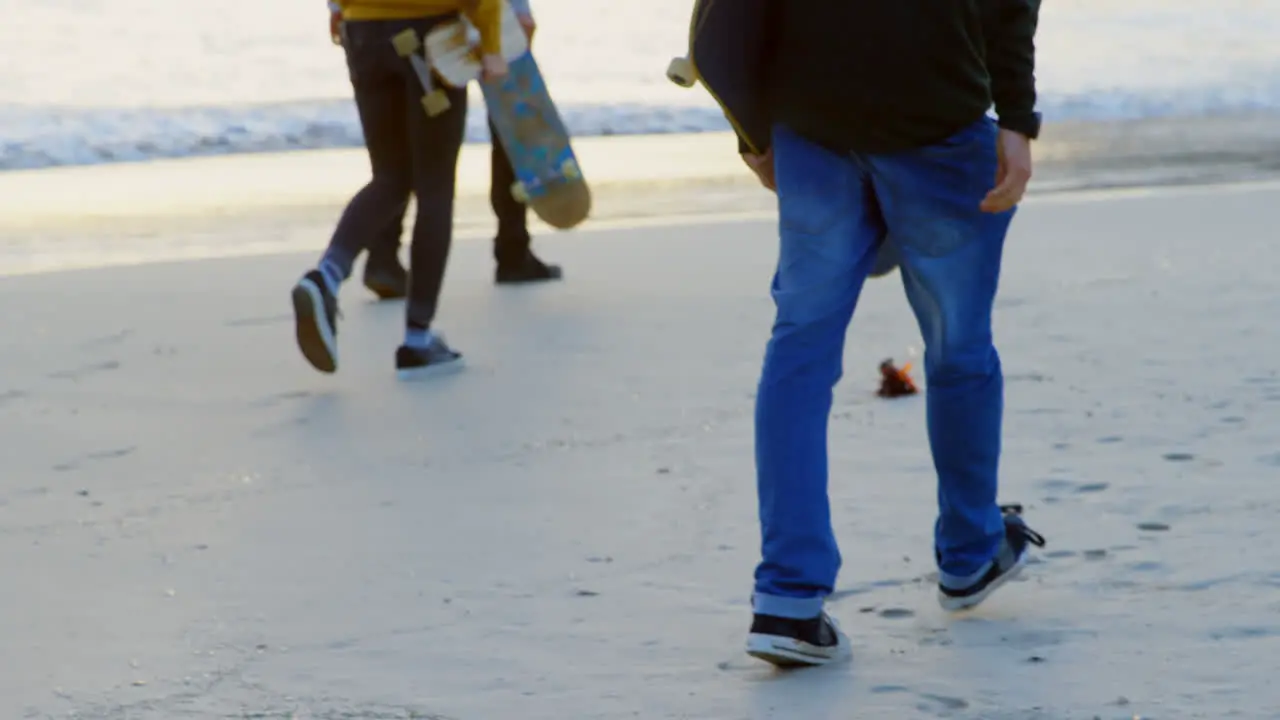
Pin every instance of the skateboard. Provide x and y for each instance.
(527, 123)
(722, 33)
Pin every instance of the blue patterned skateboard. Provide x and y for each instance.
(548, 177)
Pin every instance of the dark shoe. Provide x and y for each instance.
(386, 277)
(414, 362)
(315, 312)
(526, 270)
(1010, 558)
(796, 643)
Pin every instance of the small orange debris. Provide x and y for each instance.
(895, 382)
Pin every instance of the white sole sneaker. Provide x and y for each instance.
(787, 652)
(315, 336)
(952, 603)
(430, 371)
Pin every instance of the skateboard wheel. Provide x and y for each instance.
(680, 72)
(570, 169)
(436, 103)
(406, 42)
(519, 192)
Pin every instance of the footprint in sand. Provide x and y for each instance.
(108, 340)
(256, 321)
(1179, 457)
(936, 703)
(85, 370)
(278, 398)
(896, 613)
(9, 396)
(75, 463)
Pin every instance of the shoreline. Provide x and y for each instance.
(130, 213)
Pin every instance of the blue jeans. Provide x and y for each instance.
(835, 211)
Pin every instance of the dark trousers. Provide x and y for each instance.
(409, 152)
(511, 244)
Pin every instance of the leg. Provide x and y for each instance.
(382, 107)
(512, 241)
(516, 261)
(830, 230)
(386, 243)
(435, 143)
(383, 273)
(950, 253)
(380, 101)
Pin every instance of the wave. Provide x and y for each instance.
(42, 137)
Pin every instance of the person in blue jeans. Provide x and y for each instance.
(899, 152)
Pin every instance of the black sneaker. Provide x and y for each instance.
(789, 643)
(1010, 558)
(526, 270)
(415, 362)
(386, 277)
(315, 312)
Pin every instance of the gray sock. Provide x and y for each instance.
(417, 338)
(332, 275)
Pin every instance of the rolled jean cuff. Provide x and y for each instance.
(959, 582)
(787, 607)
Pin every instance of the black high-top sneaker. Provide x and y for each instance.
(315, 312)
(386, 277)
(527, 269)
(1010, 558)
(789, 643)
(416, 362)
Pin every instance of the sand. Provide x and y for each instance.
(197, 525)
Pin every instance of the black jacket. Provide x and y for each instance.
(886, 75)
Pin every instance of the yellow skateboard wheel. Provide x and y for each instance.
(406, 43)
(436, 103)
(570, 169)
(519, 193)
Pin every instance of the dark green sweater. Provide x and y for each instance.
(881, 76)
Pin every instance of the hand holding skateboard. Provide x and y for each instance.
(493, 67)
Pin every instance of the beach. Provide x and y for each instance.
(197, 525)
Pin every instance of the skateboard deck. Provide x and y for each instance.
(722, 34)
(526, 121)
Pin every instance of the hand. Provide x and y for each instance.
(1013, 153)
(335, 26)
(762, 166)
(528, 24)
(493, 67)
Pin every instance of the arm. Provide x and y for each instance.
(1011, 59)
(486, 16)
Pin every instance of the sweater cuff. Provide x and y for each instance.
(1023, 123)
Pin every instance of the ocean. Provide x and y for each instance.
(94, 81)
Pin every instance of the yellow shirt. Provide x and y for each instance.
(484, 14)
